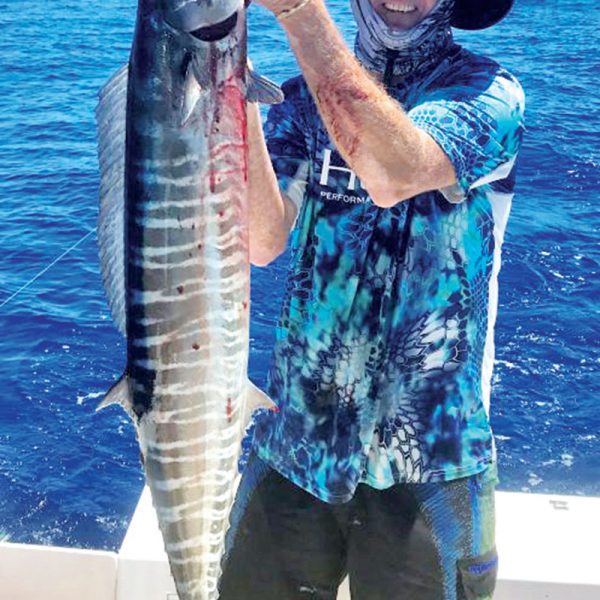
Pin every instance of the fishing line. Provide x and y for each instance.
(56, 260)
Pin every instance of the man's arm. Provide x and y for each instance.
(393, 159)
(271, 214)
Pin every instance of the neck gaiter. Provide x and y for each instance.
(380, 48)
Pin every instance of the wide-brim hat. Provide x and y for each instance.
(479, 14)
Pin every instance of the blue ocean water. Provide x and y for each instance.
(69, 476)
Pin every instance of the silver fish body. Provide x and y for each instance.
(188, 284)
(186, 273)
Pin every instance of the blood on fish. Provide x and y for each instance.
(233, 171)
(233, 100)
(221, 213)
(217, 151)
(195, 346)
(245, 305)
(229, 409)
(180, 289)
(231, 155)
(213, 59)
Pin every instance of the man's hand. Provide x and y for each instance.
(393, 158)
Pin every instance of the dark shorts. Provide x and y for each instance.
(431, 541)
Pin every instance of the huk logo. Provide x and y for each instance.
(353, 182)
(327, 168)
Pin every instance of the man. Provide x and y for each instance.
(394, 171)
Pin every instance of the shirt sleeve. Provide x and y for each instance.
(286, 134)
(479, 125)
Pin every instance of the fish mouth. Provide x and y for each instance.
(193, 15)
(216, 32)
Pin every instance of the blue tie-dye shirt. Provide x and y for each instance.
(384, 350)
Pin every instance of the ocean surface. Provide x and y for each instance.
(70, 476)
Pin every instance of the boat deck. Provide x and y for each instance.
(549, 549)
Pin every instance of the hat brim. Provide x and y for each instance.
(479, 14)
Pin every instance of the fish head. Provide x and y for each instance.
(210, 19)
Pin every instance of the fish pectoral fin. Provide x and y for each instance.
(201, 73)
(118, 394)
(262, 90)
(193, 90)
(255, 399)
(197, 82)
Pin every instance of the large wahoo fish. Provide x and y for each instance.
(173, 240)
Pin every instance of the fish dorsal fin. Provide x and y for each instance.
(262, 90)
(110, 120)
(256, 398)
(118, 394)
